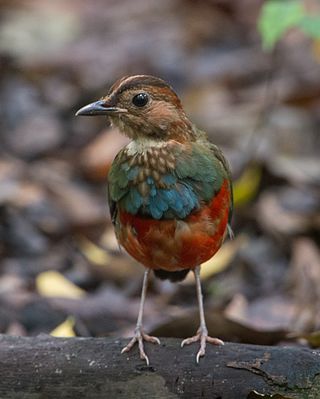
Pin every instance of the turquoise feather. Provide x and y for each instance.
(197, 176)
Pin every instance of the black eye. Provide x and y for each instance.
(140, 100)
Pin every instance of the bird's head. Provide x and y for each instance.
(143, 106)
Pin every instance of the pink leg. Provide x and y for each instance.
(139, 334)
(202, 333)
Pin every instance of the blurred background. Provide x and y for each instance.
(248, 72)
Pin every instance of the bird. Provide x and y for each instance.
(169, 190)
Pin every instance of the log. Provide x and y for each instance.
(46, 367)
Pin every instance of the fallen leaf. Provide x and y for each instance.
(246, 187)
(54, 284)
(93, 253)
(263, 313)
(107, 267)
(109, 240)
(313, 339)
(305, 280)
(277, 216)
(297, 169)
(97, 157)
(65, 329)
(33, 33)
(82, 207)
(25, 140)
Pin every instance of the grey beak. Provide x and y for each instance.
(99, 108)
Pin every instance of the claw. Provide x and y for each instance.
(139, 337)
(203, 337)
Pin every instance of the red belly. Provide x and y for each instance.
(174, 244)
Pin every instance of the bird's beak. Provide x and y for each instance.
(100, 107)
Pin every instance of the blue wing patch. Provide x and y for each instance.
(162, 203)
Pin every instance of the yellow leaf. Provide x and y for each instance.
(54, 284)
(221, 260)
(65, 329)
(246, 187)
(316, 49)
(93, 253)
(313, 338)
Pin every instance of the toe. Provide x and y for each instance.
(139, 337)
(151, 339)
(190, 340)
(128, 347)
(215, 341)
(155, 340)
(125, 349)
(143, 355)
(200, 354)
(202, 336)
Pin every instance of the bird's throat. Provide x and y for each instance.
(145, 146)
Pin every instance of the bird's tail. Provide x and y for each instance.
(172, 276)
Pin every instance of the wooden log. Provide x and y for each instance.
(46, 367)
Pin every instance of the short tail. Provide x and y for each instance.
(172, 276)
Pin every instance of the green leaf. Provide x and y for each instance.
(276, 17)
(310, 25)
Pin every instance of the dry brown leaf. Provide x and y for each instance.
(305, 279)
(97, 157)
(276, 218)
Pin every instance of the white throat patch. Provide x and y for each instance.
(143, 144)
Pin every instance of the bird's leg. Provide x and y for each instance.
(202, 333)
(139, 334)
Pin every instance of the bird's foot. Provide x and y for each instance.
(203, 337)
(139, 337)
